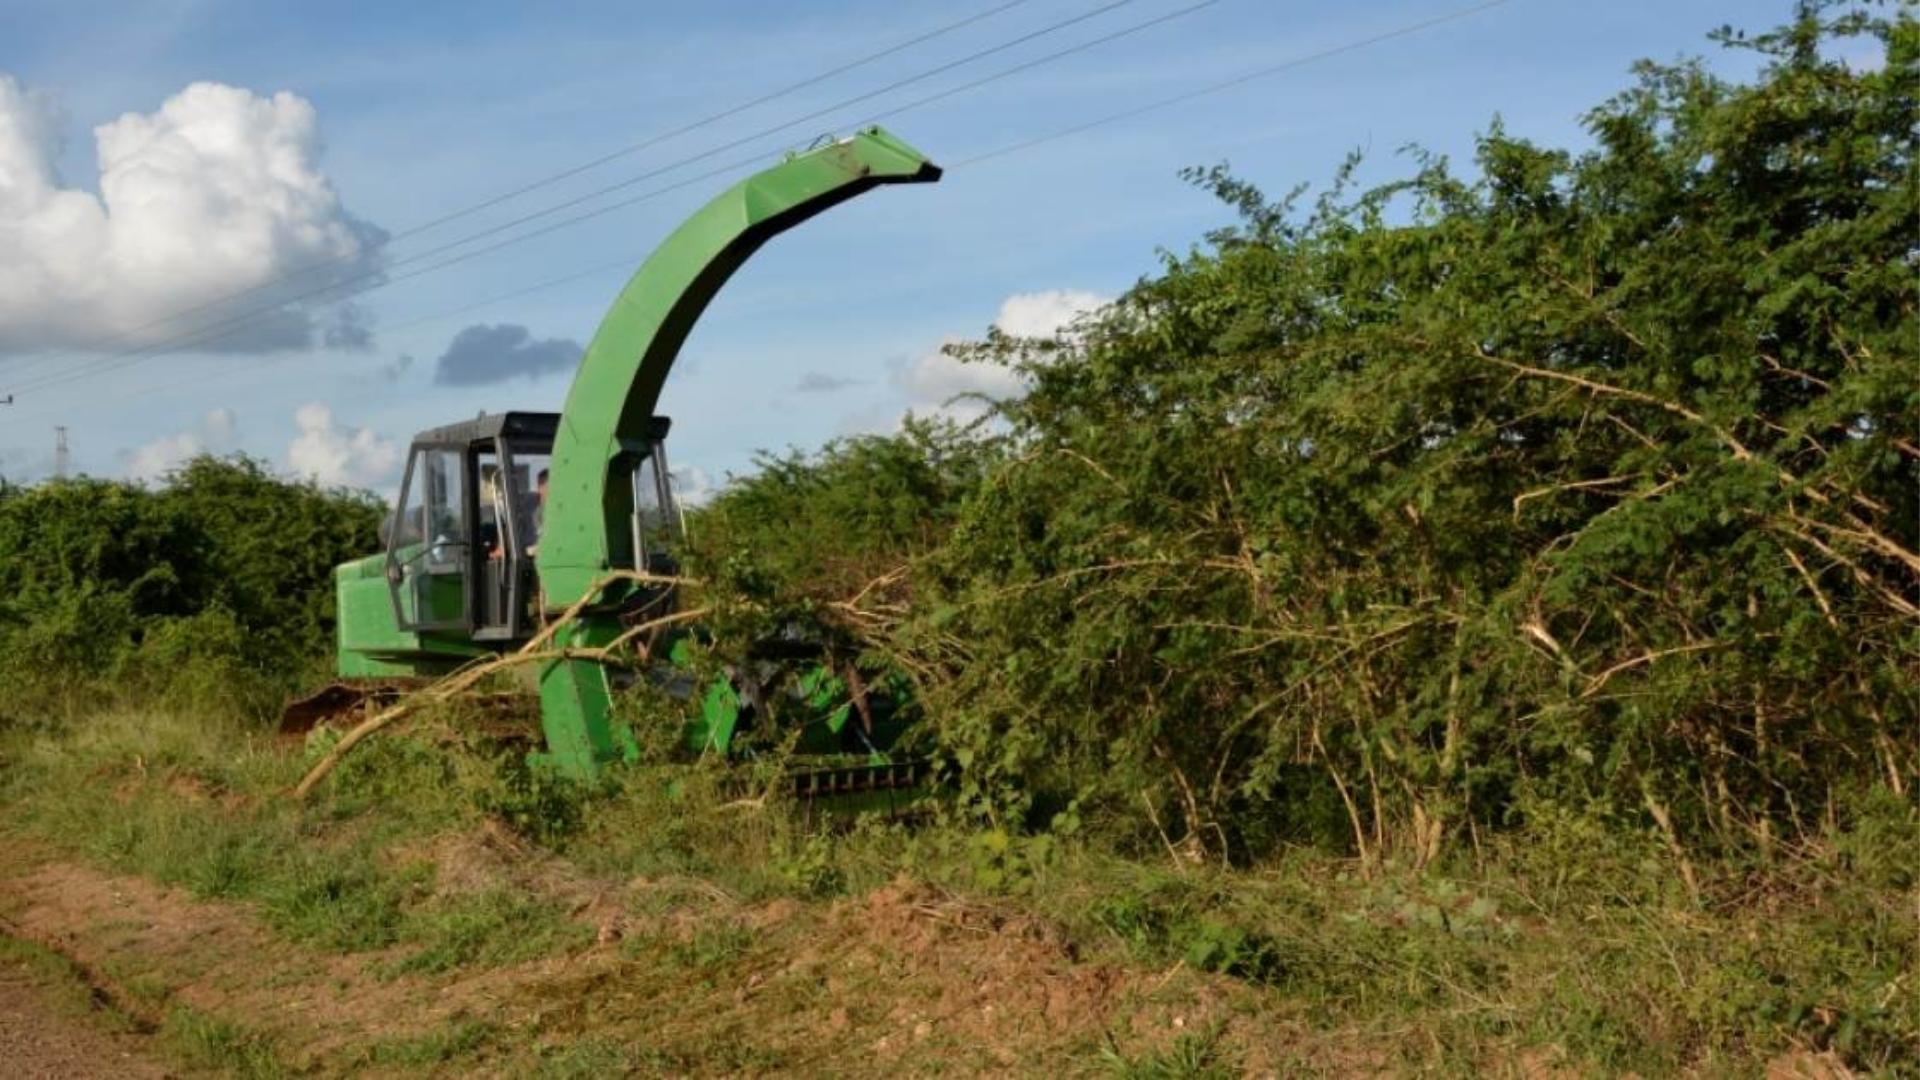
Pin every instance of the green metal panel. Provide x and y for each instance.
(713, 727)
(618, 384)
(370, 644)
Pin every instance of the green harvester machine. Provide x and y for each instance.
(481, 553)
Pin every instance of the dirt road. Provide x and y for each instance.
(44, 1031)
(903, 979)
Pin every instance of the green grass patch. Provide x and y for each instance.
(1192, 1056)
(454, 1043)
(488, 930)
(1571, 931)
(64, 984)
(202, 1041)
(202, 805)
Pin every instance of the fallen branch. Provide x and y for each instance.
(531, 653)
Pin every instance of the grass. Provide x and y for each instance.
(1193, 1056)
(445, 1046)
(201, 806)
(64, 984)
(494, 928)
(1568, 938)
(188, 1037)
(590, 1057)
(209, 1043)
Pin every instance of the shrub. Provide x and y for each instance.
(215, 587)
(1584, 480)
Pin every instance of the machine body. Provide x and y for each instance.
(477, 556)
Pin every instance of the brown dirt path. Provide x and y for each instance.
(901, 980)
(41, 1035)
(218, 959)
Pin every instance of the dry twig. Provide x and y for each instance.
(531, 653)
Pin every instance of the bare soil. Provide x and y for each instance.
(903, 979)
(218, 958)
(45, 1031)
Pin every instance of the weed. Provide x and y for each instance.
(1003, 862)
(538, 803)
(809, 867)
(202, 1040)
(443, 1046)
(1212, 945)
(488, 930)
(1171, 922)
(711, 948)
(1192, 1056)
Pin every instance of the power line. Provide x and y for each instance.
(1038, 61)
(1013, 148)
(226, 329)
(725, 114)
(204, 335)
(928, 100)
(192, 337)
(624, 262)
(1239, 80)
(569, 173)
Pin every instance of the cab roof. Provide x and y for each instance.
(531, 426)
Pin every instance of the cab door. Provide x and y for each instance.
(430, 546)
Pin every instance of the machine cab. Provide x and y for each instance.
(464, 535)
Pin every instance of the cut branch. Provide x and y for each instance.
(532, 652)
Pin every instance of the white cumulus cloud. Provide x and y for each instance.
(336, 455)
(935, 384)
(216, 192)
(153, 461)
(1047, 313)
(692, 486)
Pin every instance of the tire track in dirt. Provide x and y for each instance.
(53, 1024)
(217, 958)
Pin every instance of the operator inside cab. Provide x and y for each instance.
(536, 519)
(539, 513)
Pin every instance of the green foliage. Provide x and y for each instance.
(536, 802)
(88, 563)
(493, 928)
(273, 546)
(1584, 480)
(209, 1043)
(783, 549)
(843, 515)
(1543, 536)
(1003, 862)
(808, 865)
(213, 589)
(1172, 922)
(1192, 1056)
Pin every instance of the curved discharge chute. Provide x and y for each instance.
(607, 424)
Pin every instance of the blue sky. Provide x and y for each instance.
(420, 109)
